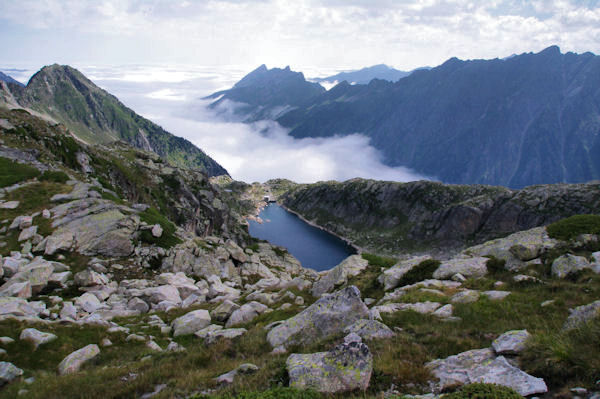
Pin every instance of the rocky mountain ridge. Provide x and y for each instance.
(528, 119)
(365, 75)
(392, 217)
(65, 95)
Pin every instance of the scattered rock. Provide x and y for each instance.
(73, 362)
(494, 295)
(157, 231)
(191, 322)
(444, 312)
(501, 372)
(36, 337)
(224, 310)
(481, 365)
(391, 277)
(466, 296)
(511, 342)
(582, 314)
(568, 264)
(9, 372)
(338, 276)
(369, 329)
(326, 317)
(228, 378)
(468, 267)
(246, 313)
(346, 368)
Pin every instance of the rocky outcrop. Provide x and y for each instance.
(328, 316)
(339, 275)
(347, 367)
(481, 365)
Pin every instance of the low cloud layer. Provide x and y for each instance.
(250, 152)
(264, 150)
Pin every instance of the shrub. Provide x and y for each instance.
(495, 265)
(420, 272)
(380, 261)
(168, 239)
(12, 172)
(565, 356)
(573, 226)
(484, 391)
(54, 176)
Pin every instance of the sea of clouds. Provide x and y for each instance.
(172, 96)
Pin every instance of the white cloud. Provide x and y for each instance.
(264, 150)
(340, 33)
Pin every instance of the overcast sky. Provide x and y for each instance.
(302, 33)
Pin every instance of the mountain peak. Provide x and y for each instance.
(552, 50)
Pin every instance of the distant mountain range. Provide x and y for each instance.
(267, 93)
(97, 117)
(365, 75)
(528, 119)
(9, 79)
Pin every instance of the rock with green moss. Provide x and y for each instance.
(338, 276)
(582, 314)
(370, 329)
(481, 365)
(324, 318)
(511, 342)
(568, 264)
(347, 367)
(466, 266)
(517, 248)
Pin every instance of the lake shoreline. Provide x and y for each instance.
(357, 250)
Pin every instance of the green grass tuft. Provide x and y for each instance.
(422, 271)
(12, 172)
(380, 261)
(168, 239)
(484, 391)
(573, 226)
(54, 176)
(274, 393)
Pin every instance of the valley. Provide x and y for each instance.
(131, 268)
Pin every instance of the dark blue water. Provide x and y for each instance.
(313, 247)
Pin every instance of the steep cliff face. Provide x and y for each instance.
(392, 217)
(97, 117)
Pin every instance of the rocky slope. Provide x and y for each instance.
(8, 79)
(392, 217)
(97, 117)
